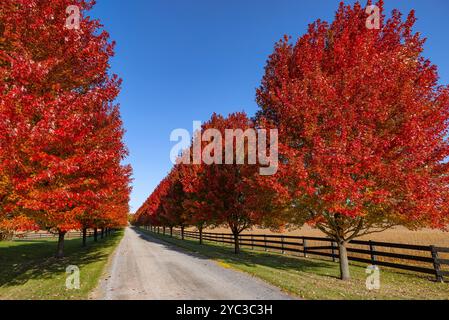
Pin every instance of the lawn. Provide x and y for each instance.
(28, 269)
(313, 278)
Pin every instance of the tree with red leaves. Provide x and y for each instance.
(150, 212)
(16, 223)
(362, 124)
(195, 204)
(171, 211)
(234, 194)
(61, 135)
(216, 193)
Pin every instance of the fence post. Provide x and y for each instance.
(372, 248)
(252, 242)
(282, 244)
(436, 264)
(304, 244)
(333, 245)
(265, 242)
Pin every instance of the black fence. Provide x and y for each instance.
(432, 260)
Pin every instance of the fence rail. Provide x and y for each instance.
(430, 260)
(46, 235)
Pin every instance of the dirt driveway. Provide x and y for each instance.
(144, 267)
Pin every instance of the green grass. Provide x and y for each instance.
(28, 269)
(314, 278)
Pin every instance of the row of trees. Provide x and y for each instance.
(211, 195)
(61, 134)
(363, 143)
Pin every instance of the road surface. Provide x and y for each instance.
(144, 267)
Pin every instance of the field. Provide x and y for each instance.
(398, 234)
(316, 278)
(28, 269)
(424, 237)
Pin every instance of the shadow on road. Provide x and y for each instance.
(246, 257)
(163, 241)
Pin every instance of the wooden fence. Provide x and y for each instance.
(46, 235)
(430, 259)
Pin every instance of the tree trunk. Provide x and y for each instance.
(344, 263)
(171, 231)
(60, 250)
(201, 234)
(95, 235)
(163, 230)
(236, 242)
(182, 232)
(84, 236)
(102, 233)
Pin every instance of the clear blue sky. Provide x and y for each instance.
(181, 60)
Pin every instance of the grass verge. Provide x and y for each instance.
(28, 269)
(313, 278)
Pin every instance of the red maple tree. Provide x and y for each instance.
(362, 123)
(232, 194)
(61, 136)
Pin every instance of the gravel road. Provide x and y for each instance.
(144, 267)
